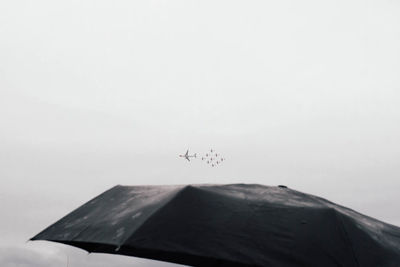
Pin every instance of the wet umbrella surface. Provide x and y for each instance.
(227, 225)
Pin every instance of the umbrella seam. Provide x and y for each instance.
(150, 215)
(347, 238)
(89, 225)
(73, 211)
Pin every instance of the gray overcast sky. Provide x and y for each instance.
(98, 93)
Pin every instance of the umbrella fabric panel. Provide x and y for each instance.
(371, 250)
(227, 225)
(206, 224)
(111, 217)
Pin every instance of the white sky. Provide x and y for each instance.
(98, 93)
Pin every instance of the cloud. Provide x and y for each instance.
(44, 254)
(28, 257)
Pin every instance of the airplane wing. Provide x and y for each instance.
(187, 158)
(187, 153)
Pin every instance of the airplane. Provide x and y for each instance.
(187, 156)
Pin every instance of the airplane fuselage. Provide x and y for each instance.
(187, 156)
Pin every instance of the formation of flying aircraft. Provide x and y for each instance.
(187, 156)
(213, 159)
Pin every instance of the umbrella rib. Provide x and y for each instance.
(179, 191)
(89, 225)
(37, 237)
(347, 238)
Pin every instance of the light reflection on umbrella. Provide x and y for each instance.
(227, 225)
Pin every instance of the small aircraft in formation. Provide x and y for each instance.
(187, 156)
(212, 158)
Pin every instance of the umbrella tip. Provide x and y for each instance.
(282, 186)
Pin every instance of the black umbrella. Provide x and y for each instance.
(227, 225)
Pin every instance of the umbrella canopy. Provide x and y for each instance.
(227, 225)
